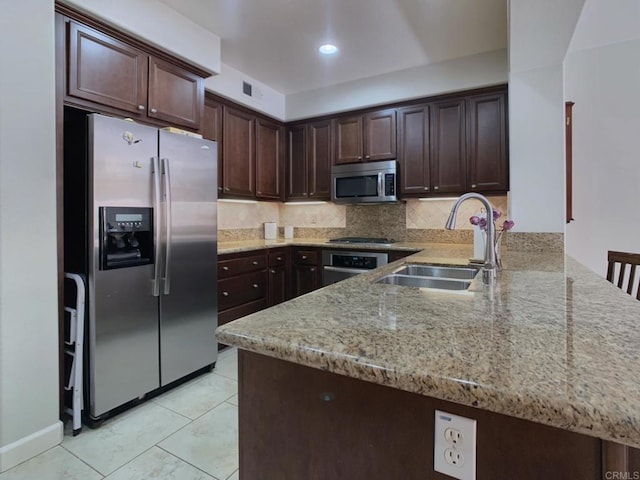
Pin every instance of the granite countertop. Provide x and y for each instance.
(248, 245)
(551, 342)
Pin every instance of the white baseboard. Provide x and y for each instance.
(30, 446)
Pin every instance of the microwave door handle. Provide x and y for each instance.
(168, 228)
(155, 168)
(380, 184)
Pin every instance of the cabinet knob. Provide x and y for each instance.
(279, 258)
(359, 157)
(140, 107)
(225, 294)
(154, 110)
(426, 188)
(435, 188)
(473, 185)
(311, 194)
(219, 189)
(226, 269)
(312, 269)
(255, 285)
(304, 194)
(304, 257)
(367, 156)
(226, 189)
(259, 192)
(273, 271)
(255, 262)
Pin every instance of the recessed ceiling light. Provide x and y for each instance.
(328, 49)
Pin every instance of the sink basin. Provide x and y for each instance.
(463, 273)
(425, 282)
(432, 276)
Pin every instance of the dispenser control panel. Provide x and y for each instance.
(126, 237)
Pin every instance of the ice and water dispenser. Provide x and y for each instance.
(126, 237)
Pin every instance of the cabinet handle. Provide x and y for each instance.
(435, 188)
(473, 185)
(225, 294)
(255, 285)
(154, 110)
(255, 262)
(226, 269)
(140, 107)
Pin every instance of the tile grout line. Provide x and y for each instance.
(188, 463)
(82, 460)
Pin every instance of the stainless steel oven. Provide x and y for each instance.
(339, 265)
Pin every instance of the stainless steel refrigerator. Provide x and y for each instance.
(147, 232)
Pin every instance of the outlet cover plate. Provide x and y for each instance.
(465, 444)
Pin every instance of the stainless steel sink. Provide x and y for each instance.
(432, 276)
(464, 273)
(425, 282)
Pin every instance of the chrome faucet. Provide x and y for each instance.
(489, 271)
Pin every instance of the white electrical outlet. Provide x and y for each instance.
(454, 449)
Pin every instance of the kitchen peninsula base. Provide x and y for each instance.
(300, 422)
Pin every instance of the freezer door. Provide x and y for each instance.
(123, 313)
(188, 300)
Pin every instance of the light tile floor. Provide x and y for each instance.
(188, 433)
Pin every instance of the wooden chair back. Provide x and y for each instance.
(622, 280)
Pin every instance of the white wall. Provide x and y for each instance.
(469, 72)
(539, 35)
(264, 98)
(603, 82)
(28, 285)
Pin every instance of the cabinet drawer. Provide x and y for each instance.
(277, 259)
(306, 257)
(238, 266)
(241, 289)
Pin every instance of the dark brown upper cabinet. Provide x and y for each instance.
(105, 73)
(487, 148)
(252, 160)
(212, 130)
(309, 160)
(238, 153)
(448, 155)
(269, 155)
(414, 149)
(455, 145)
(365, 138)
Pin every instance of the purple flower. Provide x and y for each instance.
(475, 220)
(496, 214)
(508, 224)
(482, 223)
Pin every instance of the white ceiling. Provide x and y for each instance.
(276, 41)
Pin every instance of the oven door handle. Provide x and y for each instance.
(344, 269)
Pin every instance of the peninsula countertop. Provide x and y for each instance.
(551, 342)
(248, 245)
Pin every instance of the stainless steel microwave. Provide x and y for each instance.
(368, 182)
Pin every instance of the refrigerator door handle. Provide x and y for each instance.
(167, 255)
(156, 221)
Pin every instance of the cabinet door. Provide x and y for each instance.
(348, 135)
(448, 156)
(212, 130)
(175, 95)
(306, 278)
(277, 286)
(380, 135)
(319, 160)
(269, 160)
(488, 159)
(415, 173)
(297, 163)
(238, 153)
(106, 71)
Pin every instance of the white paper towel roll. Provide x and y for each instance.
(288, 231)
(270, 230)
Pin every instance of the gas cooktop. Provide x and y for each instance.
(362, 240)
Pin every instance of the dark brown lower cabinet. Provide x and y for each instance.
(306, 270)
(279, 277)
(299, 422)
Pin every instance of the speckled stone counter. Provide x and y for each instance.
(248, 245)
(551, 342)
